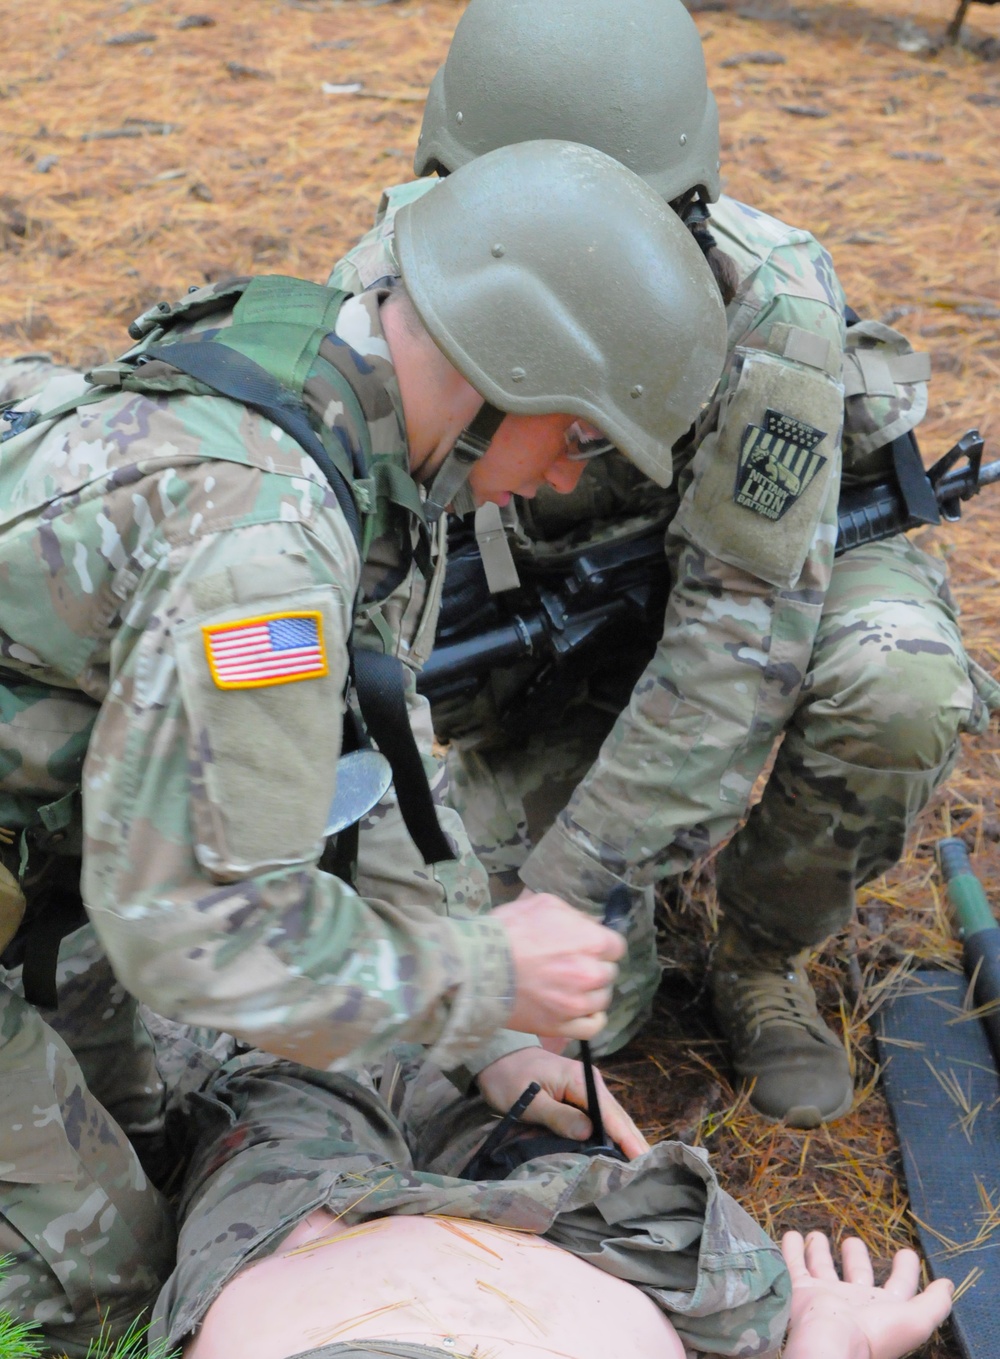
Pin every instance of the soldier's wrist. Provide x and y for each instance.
(502, 1044)
(479, 1008)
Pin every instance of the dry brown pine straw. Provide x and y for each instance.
(263, 172)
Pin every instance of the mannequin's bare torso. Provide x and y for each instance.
(467, 1288)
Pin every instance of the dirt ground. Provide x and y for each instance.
(153, 145)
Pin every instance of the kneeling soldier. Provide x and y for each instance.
(216, 575)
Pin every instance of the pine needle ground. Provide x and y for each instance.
(154, 145)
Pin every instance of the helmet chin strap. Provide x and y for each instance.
(448, 486)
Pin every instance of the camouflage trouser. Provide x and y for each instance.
(271, 1142)
(873, 732)
(887, 695)
(90, 1238)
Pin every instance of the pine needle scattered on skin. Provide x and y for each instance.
(520, 1310)
(450, 1225)
(351, 1234)
(332, 1240)
(325, 1336)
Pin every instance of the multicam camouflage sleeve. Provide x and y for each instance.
(142, 543)
(749, 571)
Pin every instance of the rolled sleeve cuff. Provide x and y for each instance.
(480, 1006)
(502, 1044)
(559, 865)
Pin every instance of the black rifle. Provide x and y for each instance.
(866, 514)
(614, 593)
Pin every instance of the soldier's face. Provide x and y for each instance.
(528, 452)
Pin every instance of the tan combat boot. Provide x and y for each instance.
(766, 1009)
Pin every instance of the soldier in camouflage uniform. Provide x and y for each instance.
(857, 665)
(181, 588)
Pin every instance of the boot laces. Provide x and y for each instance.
(770, 998)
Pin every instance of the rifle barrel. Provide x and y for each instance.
(956, 483)
(481, 652)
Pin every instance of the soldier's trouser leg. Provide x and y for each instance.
(90, 1239)
(887, 695)
(508, 797)
(102, 1026)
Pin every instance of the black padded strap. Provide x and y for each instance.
(42, 937)
(379, 684)
(234, 375)
(378, 678)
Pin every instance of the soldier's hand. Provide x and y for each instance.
(565, 965)
(560, 1103)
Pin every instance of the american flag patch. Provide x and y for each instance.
(274, 649)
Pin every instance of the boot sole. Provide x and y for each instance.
(806, 1115)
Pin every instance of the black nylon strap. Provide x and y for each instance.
(908, 467)
(234, 375)
(469, 447)
(42, 937)
(478, 435)
(914, 486)
(378, 681)
(378, 678)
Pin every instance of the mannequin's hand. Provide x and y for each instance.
(563, 1096)
(851, 1318)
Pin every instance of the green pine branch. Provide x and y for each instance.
(132, 1345)
(18, 1340)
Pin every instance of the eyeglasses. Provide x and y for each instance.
(584, 442)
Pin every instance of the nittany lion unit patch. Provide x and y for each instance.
(777, 463)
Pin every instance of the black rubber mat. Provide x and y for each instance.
(944, 1093)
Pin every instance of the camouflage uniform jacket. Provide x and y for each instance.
(748, 580)
(132, 534)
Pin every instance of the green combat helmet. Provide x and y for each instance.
(625, 76)
(555, 280)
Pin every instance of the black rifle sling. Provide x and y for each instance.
(378, 679)
(232, 374)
